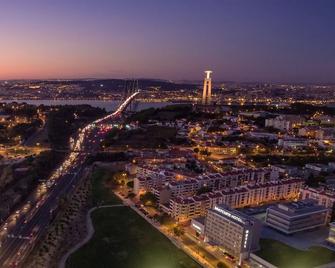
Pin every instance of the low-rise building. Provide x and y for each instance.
(331, 237)
(292, 143)
(263, 135)
(198, 225)
(322, 195)
(316, 168)
(284, 122)
(285, 170)
(308, 131)
(325, 133)
(293, 217)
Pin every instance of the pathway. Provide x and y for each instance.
(90, 232)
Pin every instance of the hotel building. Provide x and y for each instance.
(232, 231)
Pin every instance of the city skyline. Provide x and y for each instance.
(270, 41)
(194, 133)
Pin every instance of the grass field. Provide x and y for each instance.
(285, 256)
(125, 240)
(102, 193)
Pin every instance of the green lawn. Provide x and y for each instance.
(102, 193)
(123, 239)
(285, 256)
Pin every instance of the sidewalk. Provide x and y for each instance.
(90, 232)
(178, 242)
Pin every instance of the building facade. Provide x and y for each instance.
(297, 216)
(331, 236)
(153, 180)
(323, 196)
(186, 208)
(232, 231)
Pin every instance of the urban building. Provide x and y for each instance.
(322, 195)
(331, 236)
(293, 217)
(284, 122)
(147, 179)
(218, 181)
(308, 131)
(317, 168)
(292, 143)
(185, 208)
(325, 133)
(285, 170)
(263, 135)
(198, 225)
(154, 180)
(232, 231)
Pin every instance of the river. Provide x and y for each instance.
(108, 105)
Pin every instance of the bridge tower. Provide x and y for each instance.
(130, 87)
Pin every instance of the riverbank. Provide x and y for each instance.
(108, 105)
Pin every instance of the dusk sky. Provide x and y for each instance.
(250, 40)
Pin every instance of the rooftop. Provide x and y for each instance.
(299, 207)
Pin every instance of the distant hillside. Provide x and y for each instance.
(117, 84)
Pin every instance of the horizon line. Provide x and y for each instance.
(169, 80)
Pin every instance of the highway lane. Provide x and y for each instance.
(42, 217)
(34, 227)
(13, 251)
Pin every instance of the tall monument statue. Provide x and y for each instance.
(207, 90)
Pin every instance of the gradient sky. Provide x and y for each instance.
(240, 40)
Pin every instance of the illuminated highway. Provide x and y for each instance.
(20, 232)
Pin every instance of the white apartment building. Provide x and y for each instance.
(185, 208)
(218, 181)
(149, 180)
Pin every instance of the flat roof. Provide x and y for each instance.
(299, 207)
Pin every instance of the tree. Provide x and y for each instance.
(164, 219)
(204, 189)
(131, 195)
(220, 264)
(119, 178)
(205, 152)
(178, 231)
(148, 199)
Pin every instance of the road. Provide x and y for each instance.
(21, 231)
